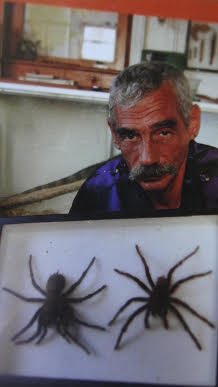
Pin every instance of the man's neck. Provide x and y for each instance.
(171, 198)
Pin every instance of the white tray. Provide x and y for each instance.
(146, 356)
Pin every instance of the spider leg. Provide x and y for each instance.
(62, 333)
(33, 319)
(165, 321)
(147, 271)
(23, 297)
(74, 286)
(124, 306)
(80, 299)
(127, 323)
(42, 335)
(135, 279)
(191, 310)
(76, 341)
(170, 273)
(185, 326)
(31, 338)
(78, 321)
(35, 285)
(189, 278)
(147, 325)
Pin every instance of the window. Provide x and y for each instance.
(98, 43)
(75, 48)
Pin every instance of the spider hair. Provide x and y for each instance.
(139, 80)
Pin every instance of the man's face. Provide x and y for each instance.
(152, 134)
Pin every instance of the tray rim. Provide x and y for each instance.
(25, 381)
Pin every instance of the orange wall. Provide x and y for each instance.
(202, 10)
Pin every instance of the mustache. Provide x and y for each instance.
(143, 172)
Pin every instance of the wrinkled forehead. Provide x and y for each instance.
(130, 95)
(162, 102)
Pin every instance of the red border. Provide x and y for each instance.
(202, 10)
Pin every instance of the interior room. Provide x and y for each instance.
(58, 63)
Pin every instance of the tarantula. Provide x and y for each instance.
(160, 300)
(56, 310)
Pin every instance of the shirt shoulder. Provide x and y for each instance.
(206, 164)
(99, 192)
(206, 159)
(205, 152)
(107, 175)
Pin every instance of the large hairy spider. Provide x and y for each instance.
(160, 300)
(56, 308)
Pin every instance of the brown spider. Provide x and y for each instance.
(56, 310)
(159, 300)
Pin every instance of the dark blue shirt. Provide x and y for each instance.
(110, 190)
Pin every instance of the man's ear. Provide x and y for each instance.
(195, 120)
(114, 135)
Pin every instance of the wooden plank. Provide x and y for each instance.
(202, 10)
(16, 28)
(88, 79)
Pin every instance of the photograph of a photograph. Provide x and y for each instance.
(109, 193)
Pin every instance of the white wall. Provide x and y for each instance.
(43, 140)
(209, 129)
(168, 35)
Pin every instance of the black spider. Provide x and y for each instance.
(56, 310)
(159, 300)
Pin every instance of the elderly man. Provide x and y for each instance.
(154, 124)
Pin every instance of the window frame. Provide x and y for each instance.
(13, 21)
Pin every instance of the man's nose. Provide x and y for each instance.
(148, 153)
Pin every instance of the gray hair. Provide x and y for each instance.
(137, 81)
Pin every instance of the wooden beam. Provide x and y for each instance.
(201, 10)
(43, 194)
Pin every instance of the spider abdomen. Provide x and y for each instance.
(159, 297)
(55, 308)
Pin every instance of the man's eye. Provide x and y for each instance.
(165, 133)
(130, 136)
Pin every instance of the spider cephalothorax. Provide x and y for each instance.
(55, 283)
(159, 299)
(56, 309)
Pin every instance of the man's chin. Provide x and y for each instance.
(156, 183)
